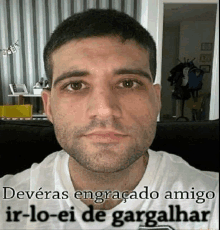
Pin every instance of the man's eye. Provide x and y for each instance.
(129, 84)
(74, 86)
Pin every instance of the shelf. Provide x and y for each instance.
(35, 116)
(21, 99)
(39, 115)
(23, 119)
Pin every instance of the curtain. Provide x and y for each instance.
(30, 23)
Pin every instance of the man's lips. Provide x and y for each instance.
(105, 136)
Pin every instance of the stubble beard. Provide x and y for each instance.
(105, 157)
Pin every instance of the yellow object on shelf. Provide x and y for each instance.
(1, 111)
(16, 111)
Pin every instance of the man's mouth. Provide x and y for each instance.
(105, 136)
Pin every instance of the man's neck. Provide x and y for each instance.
(125, 180)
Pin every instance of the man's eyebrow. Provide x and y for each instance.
(69, 74)
(134, 71)
(80, 73)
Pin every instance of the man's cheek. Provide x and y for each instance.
(141, 109)
(69, 114)
(60, 103)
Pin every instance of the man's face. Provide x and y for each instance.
(103, 105)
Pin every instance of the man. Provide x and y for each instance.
(103, 104)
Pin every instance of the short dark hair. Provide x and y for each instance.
(99, 23)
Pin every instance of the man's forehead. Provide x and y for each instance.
(106, 53)
(104, 42)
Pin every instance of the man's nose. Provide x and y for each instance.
(104, 104)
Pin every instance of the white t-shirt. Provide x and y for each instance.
(171, 193)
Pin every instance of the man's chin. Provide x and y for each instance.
(105, 168)
(110, 162)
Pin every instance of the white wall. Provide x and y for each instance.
(214, 104)
(149, 20)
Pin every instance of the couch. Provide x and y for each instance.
(26, 142)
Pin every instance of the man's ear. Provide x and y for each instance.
(46, 97)
(157, 89)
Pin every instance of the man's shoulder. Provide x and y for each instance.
(23, 178)
(176, 170)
